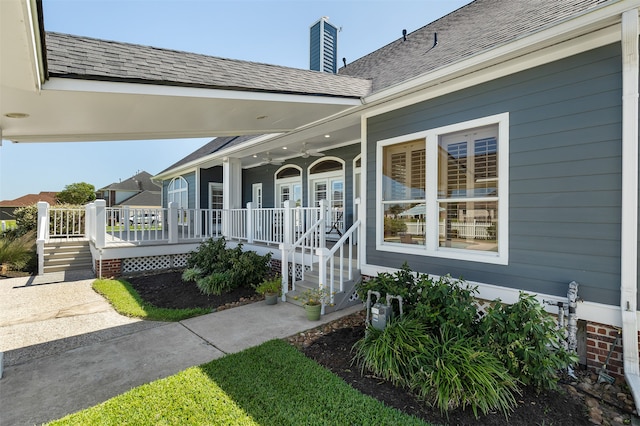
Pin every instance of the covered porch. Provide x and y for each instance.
(126, 241)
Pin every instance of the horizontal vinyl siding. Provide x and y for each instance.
(565, 181)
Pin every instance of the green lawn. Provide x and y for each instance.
(271, 384)
(128, 302)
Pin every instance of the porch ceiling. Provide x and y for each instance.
(68, 109)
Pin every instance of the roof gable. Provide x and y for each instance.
(87, 58)
(139, 182)
(470, 30)
(144, 198)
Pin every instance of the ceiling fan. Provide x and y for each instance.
(270, 160)
(306, 153)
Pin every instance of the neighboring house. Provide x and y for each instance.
(137, 191)
(7, 207)
(498, 144)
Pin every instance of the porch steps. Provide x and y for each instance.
(62, 256)
(342, 299)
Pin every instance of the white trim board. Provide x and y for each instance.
(589, 311)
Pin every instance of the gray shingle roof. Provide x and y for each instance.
(88, 58)
(144, 198)
(472, 29)
(139, 182)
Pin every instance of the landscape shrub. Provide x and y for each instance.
(389, 353)
(26, 219)
(434, 301)
(19, 251)
(456, 372)
(451, 356)
(217, 269)
(446, 301)
(443, 369)
(527, 341)
(215, 283)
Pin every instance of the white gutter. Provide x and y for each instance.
(572, 27)
(629, 225)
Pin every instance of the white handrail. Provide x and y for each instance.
(308, 242)
(328, 255)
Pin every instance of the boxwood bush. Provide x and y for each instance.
(217, 269)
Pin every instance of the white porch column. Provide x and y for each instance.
(172, 222)
(43, 233)
(231, 190)
(250, 223)
(101, 223)
(325, 216)
(285, 248)
(628, 238)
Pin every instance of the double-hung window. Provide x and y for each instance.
(444, 192)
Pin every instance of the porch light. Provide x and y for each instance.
(284, 147)
(327, 136)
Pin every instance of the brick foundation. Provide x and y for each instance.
(600, 339)
(110, 268)
(275, 267)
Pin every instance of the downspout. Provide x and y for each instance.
(629, 219)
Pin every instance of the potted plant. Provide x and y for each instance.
(270, 288)
(312, 299)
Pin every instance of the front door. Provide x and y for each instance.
(332, 190)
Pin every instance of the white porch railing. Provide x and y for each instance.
(327, 267)
(301, 251)
(66, 222)
(110, 226)
(300, 233)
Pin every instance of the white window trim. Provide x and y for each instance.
(218, 185)
(431, 248)
(277, 183)
(312, 177)
(184, 188)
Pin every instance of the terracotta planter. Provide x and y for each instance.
(313, 312)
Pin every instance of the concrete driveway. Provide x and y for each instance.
(66, 349)
(52, 313)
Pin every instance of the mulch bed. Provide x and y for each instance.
(330, 345)
(167, 290)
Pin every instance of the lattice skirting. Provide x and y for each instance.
(154, 263)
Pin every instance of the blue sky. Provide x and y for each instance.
(274, 32)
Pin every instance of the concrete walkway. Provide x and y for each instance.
(94, 354)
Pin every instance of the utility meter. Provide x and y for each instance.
(380, 315)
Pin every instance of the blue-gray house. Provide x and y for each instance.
(498, 143)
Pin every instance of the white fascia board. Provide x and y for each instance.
(77, 85)
(193, 166)
(557, 42)
(30, 11)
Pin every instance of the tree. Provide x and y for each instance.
(77, 193)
